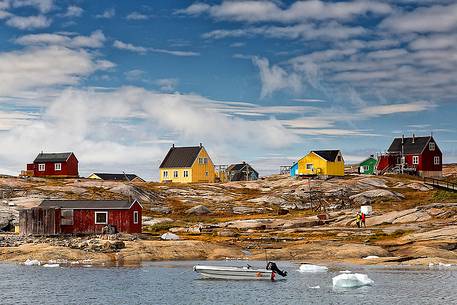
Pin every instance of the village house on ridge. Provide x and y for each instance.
(413, 155)
(186, 165)
(322, 163)
(115, 177)
(62, 165)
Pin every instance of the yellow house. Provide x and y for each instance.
(322, 162)
(187, 164)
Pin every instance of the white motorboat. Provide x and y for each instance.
(240, 273)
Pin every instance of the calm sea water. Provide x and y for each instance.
(176, 283)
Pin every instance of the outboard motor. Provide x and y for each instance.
(273, 267)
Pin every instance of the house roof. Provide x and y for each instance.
(87, 204)
(180, 157)
(329, 155)
(240, 166)
(369, 159)
(120, 177)
(53, 157)
(412, 145)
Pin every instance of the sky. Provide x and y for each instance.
(119, 82)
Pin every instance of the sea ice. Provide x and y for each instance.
(312, 268)
(315, 287)
(51, 265)
(345, 271)
(371, 257)
(169, 236)
(351, 280)
(32, 262)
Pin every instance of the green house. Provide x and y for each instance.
(368, 166)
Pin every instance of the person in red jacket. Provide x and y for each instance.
(363, 220)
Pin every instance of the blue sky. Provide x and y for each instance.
(118, 82)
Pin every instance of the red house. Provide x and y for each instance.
(54, 217)
(414, 155)
(54, 165)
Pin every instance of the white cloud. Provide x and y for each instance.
(136, 16)
(269, 11)
(46, 66)
(107, 14)
(329, 31)
(73, 11)
(129, 47)
(437, 18)
(274, 78)
(43, 6)
(142, 50)
(95, 40)
(397, 108)
(29, 23)
(440, 41)
(134, 74)
(167, 84)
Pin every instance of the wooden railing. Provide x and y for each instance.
(451, 186)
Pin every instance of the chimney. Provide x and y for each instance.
(201, 145)
(402, 139)
(173, 145)
(414, 138)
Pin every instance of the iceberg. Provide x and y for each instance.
(312, 268)
(351, 280)
(315, 287)
(169, 236)
(32, 262)
(51, 265)
(371, 257)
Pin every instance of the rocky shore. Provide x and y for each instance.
(292, 219)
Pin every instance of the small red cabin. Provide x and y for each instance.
(53, 217)
(416, 155)
(54, 165)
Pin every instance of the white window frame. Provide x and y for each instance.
(415, 160)
(136, 217)
(57, 166)
(175, 174)
(186, 174)
(436, 160)
(101, 223)
(165, 174)
(41, 167)
(308, 167)
(431, 146)
(366, 168)
(200, 160)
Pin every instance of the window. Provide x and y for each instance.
(206, 174)
(57, 166)
(309, 166)
(186, 174)
(436, 160)
(175, 174)
(101, 218)
(338, 158)
(165, 174)
(200, 160)
(431, 146)
(365, 167)
(41, 167)
(66, 217)
(135, 217)
(205, 160)
(415, 160)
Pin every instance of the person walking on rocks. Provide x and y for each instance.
(362, 218)
(358, 219)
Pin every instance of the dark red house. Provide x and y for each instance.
(54, 217)
(54, 165)
(414, 155)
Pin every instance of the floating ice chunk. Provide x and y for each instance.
(169, 236)
(345, 271)
(439, 265)
(352, 280)
(444, 265)
(51, 265)
(32, 262)
(315, 287)
(312, 268)
(371, 257)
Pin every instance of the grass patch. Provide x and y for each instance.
(445, 196)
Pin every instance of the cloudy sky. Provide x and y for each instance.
(118, 82)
